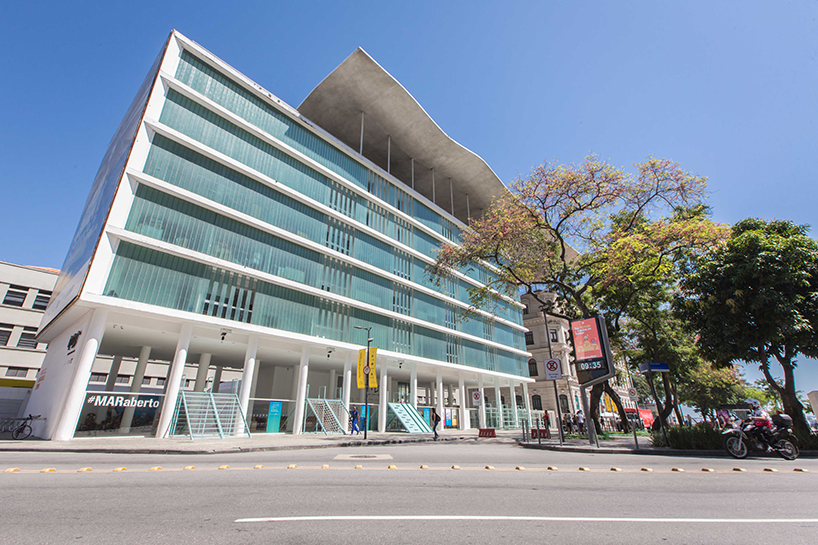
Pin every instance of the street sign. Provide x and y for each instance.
(654, 367)
(552, 370)
(633, 394)
(476, 398)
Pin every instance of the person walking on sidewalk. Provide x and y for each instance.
(354, 417)
(436, 421)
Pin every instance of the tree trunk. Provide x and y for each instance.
(596, 395)
(619, 407)
(664, 409)
(676, 402)
(789, 397)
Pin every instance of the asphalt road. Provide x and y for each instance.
(377, 505)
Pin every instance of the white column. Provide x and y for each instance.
(498, 402)
(333, 380)
(136, 386)
(482, 408)
(512, 390)
(247, 378)
(201, 373)
(413, 385)
(301, 394)
(113, 373)
(527, 402)
(464, 413)
(347, 389)
(64, 430)
(217, 380)
(441, 410)
(177, 369)
(383, 397)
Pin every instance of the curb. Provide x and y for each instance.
(654, 451)
(235, 450)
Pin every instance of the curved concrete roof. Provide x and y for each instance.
(361, 84)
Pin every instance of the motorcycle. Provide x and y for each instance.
(744, 436)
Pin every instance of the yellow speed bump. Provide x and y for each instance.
(520, 468)
(801, 470)
(553, 468)
(325, 466)
(11, 470)
(616, 469)
(224, 467)
(155, 468)
(489, 467)
(677, 469)
(258, 467)
(48, 470)
(647, 469)
(583, 468)
(708, 470)
(188, 468)
(770, 470)
(739, 469)
(392, 466)
(359, 466)
(424, 466)
(292, 466)
(83, 470)
(120, 468)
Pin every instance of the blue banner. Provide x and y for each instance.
(274, 417)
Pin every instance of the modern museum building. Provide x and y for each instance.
(228, 234)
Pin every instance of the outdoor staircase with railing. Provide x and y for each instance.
(331, 415)
(205, 414)
(411, 419)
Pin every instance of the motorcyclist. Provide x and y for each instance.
(763, 423)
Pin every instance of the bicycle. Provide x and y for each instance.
(23, 431)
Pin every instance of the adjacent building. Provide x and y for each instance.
(228, 232)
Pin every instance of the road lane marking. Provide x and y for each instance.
(364, 518)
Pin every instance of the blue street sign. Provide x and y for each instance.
(655, 367)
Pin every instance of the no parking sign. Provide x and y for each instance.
(476, 398)
(552, 370)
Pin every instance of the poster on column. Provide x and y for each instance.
(274, 417)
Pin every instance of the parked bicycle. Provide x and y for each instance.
(23, 431)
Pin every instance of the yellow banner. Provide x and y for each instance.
(361, 365)
(373, 376)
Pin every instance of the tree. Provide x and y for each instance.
(579, 229)
(756, 299)
(706, 387)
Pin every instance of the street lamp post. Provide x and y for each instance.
(369, 340)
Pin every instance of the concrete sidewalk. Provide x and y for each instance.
(256, 443)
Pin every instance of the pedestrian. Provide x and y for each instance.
(436, 421)
(547, 423)
(354, 416)
(581, 422)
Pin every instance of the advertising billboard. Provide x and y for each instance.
(591, 350)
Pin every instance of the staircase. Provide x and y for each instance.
(331, 415)
(205, 414)
(409, 417)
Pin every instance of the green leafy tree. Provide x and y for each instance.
(577, 230)
(706, 387)
(756, 299)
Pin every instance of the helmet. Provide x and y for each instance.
(754, 403)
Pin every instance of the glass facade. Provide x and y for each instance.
(204, 286)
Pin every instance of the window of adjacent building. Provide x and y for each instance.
(525, 310)
(5, 333)
(564, 403)
(123, 379)
(146, 380)
(28, 339)
(15, 296)
(98, 377)
(532, 368)
(536, 402)
(529, 337)
(16, 372)
(553, 333)
(160, 382)
(41, 301)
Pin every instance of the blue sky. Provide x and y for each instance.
(728, 89)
